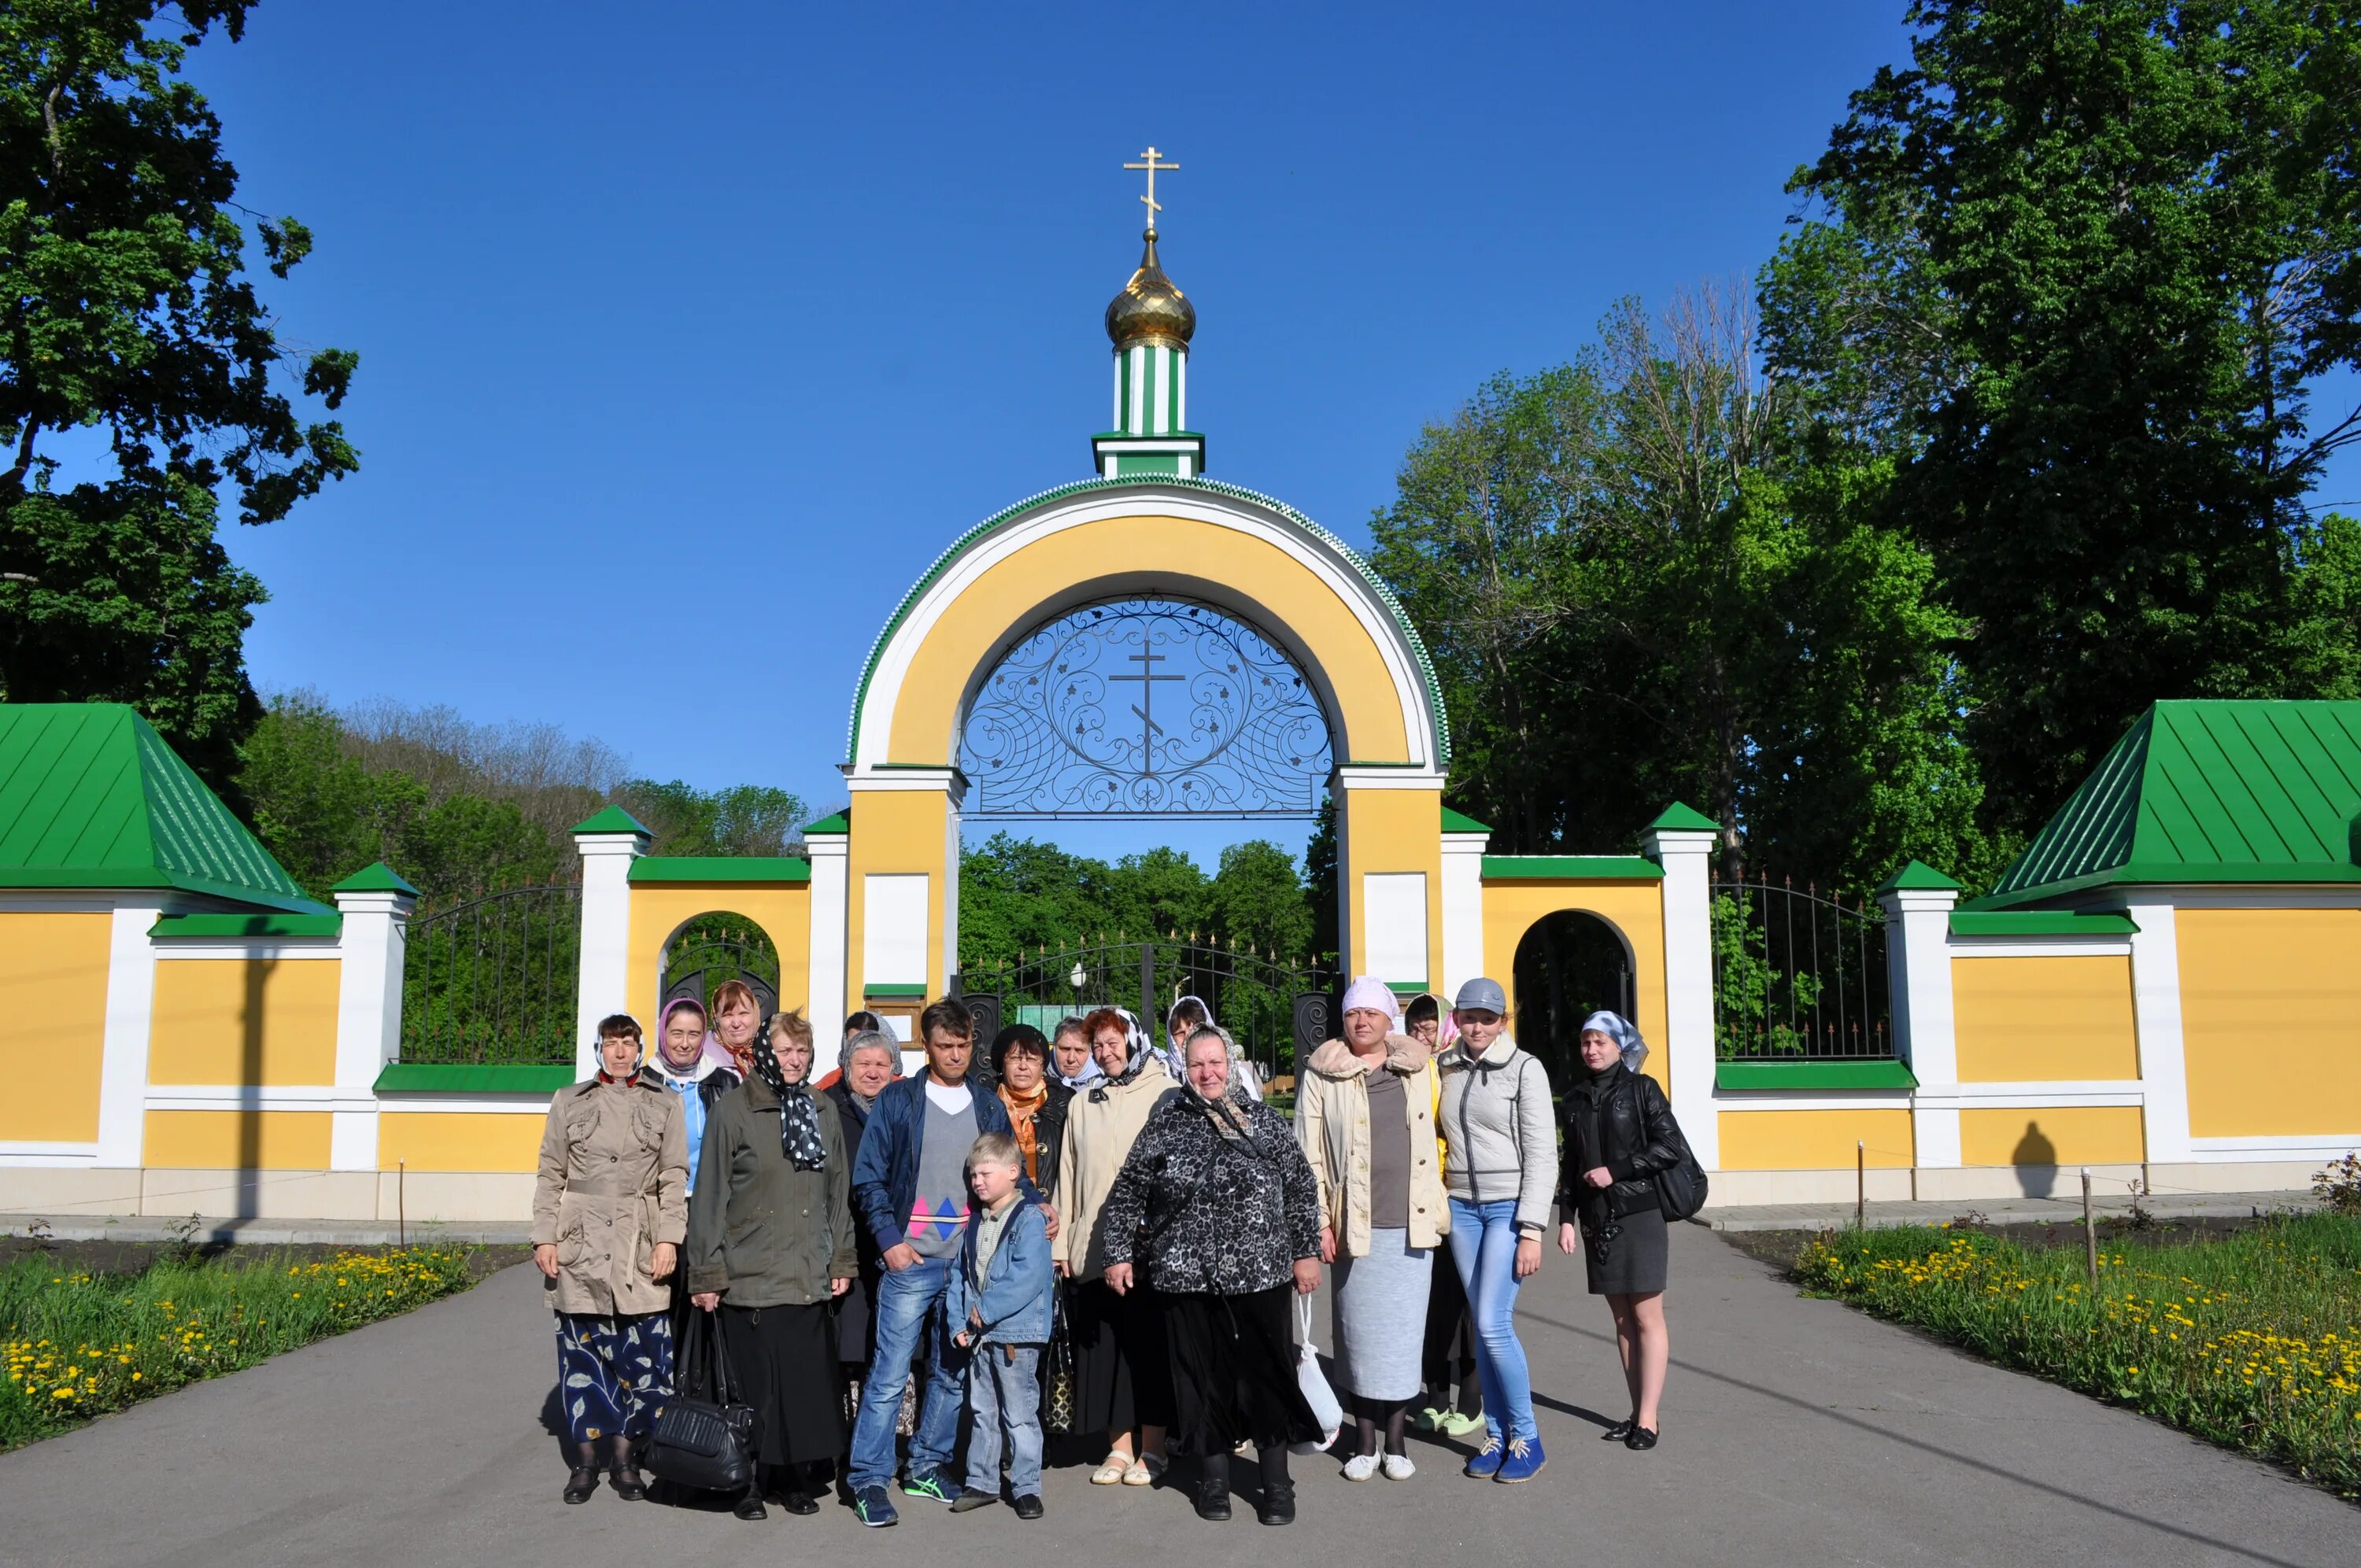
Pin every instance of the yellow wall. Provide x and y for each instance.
(231, 1140)
(896, 830)
(659, 909)
(1288, 600)
(1394, 830)
(261, 1021)
(2022, 1019)
(1814, 1140)
(1635, 908)
(2270, 1020)
(2075, 1135)
(52, 1023)
(455, 1140)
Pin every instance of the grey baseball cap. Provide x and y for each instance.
(1482, 995)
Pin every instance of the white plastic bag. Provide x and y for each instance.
(1314, 1384)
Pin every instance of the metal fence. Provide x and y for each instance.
(1798, 975)
(713, 950)
(493, 980)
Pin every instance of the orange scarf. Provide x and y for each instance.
(1020, 1116)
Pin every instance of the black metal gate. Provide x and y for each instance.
(711, 949)
(1798, 975)
(1277, 1010)
(493, 980)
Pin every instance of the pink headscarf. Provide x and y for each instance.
(712, 1050)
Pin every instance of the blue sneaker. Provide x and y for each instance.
(875, 1509)
(1487, 1463)
(1524, 1461)
(930, 1485)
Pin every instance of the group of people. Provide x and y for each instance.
(1108, 1220)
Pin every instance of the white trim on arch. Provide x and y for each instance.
(1333, 570)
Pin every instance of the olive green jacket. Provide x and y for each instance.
(761, 1232)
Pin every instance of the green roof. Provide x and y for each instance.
(720, 867)
(1918, 875)
(613, 820)
(1686, 819)
(1460, 822)
(456, 1078)
(92, 797)
(377, 878)
(1820, 1072)
(247, 926)
(2251, 792)
(1573, 868)
(839, 823)
(2038, 923)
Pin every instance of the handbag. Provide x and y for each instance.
(1059, 1401)
(705, 1443)
(1680, 1188)
(1313, 1383)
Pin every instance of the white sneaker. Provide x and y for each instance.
(1397, 1468)
(1360, 1468)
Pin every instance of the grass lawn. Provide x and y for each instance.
(79, 1342)
(2252, 1340)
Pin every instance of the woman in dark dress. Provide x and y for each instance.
(1619, 1133)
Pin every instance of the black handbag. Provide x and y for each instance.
(1680, 1191)
(1059, 1396)
(706, 1443)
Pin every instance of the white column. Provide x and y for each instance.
(131, 1024)
(369, 952)
(2155, 1007)
(1687, 855)
(830, 908)
(1463, 913)
(1918, 985)
(604, 982)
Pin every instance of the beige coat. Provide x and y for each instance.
(1099, 1135)
(614, 1171)
(1332, 1123)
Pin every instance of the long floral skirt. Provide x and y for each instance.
(613, 1373)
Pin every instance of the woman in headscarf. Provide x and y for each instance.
(1036, 1102)
(1187, 1015)
(771, 1247)
(1619, 1133)
(1216, 1209)
(737, 1019)
(680, 1064)
(868, 1061)
(1070, 1061)
(1364, 1115)
(1122, 1382)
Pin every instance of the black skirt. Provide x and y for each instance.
(1635, 1258)
(1234, 1377)
(783, 1360)
(1449, 1333)
(856, 1318)
(1123, 1378)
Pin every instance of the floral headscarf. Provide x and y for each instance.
(1139, 1051)
(1623, 1032)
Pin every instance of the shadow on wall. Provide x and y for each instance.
(249, 1112)
(2036, 1158)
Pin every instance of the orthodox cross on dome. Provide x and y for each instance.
(1151, 166)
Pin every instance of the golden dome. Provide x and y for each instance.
(1150, 310)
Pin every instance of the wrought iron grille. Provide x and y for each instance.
(1144, 707)
(493, 980)
(1798, 975)
(712, 949)
(1275, 1009)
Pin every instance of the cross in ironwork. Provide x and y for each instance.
(1152, 166)
(1149, 727)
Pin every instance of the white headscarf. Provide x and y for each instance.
(1623, 1032)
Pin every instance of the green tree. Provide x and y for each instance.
(1256, 900)
(2134, 225)
(125, 308)
(741, 819)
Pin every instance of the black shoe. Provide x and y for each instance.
(1619, 1431)
(800, 1504)
(1213, 1491)
(750, 1507)
(581, 1483)
(967, 1502)
(1641, 1439)
(1028, 1506)
(627, 1482)
(1277, 1502)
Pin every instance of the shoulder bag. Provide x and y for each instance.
(1059, 1400)
(705, 1442)
(1680, 1188)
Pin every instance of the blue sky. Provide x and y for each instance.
(690, 334)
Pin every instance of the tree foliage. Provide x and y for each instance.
(127, 313)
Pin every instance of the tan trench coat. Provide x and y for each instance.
(1332, 1123)
(614, 1175)
(1099, 1136)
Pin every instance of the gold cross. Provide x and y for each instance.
(1152, 166)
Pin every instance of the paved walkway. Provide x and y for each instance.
(1795, 1432)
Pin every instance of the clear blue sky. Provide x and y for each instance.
(690, 334)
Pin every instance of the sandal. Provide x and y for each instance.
(1144, 1470)
(1113, 1471)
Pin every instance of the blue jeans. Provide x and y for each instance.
(908, 1305)
(1004, 1395)
(1484, 1248)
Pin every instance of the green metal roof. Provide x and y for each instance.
(719, 868)
(2038, 923)
(1685, 819)
(1571, 868)
(247, 926)
(1915, 875)
(839, 823)
(377, 877)
(2251, 792)
(438, 1077)
(612, 819)
(1460, 822)
(92, 797)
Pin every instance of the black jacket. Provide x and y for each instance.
(1200, 1213)
(1049, 1135)
(1623, 1122)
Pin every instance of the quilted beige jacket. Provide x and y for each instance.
(614, 1173)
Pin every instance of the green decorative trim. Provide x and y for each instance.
(894, 992)
(1680, 818)
(1799, 1074)
(1571, 868)
(1407, 987)
(377, 878)
(2040, 923)
(247, 926)
(439, 1078)
(1460, 822)
(839, 823)
(1211, 486)
(614, 819)
(1919, 876)
(719, 868)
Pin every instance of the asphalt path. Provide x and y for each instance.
(1795, 1431)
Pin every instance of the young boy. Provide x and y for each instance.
(1000, 1292)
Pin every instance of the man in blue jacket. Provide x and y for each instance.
(909, 1188)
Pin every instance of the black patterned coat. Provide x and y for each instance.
(1200, 1213)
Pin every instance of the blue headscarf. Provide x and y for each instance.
(1625, 1035)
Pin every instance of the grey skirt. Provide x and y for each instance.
(1380, 1317)
(1635, 1259)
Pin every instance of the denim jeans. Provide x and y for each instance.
(1484, 1246)
(908, 1305)
(1004, 1395)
